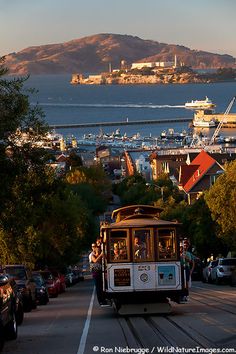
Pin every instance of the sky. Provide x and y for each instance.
(208, 25)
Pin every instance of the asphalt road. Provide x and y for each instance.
(73, 323)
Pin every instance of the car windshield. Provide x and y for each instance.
(38, 279)
(16, 273)
(228, 262)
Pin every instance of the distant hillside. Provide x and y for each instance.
(94, 53)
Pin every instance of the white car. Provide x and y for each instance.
(223, 269)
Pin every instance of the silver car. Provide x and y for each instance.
(206, 272)
(223, 269)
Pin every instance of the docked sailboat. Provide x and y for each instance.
(200, 104)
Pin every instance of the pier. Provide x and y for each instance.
(119, 123)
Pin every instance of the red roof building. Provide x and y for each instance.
(199, 175)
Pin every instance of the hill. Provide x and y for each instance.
(93, 54)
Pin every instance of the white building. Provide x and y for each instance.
(159, 64)
(143, 166)
(143, 65)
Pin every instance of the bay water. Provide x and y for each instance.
(64, 103)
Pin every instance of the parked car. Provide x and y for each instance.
(8, 323)
(206, 272)
(25, 284)
(51, 283)
(60, 278)
(223, 270)
(69, 278)
(78, 274)
(42, 295)
(19, 302)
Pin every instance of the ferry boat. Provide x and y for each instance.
(201, 123)
(207, 103)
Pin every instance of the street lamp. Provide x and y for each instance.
(156, 185)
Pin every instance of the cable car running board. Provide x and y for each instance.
(142, 309)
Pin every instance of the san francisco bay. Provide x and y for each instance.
(64, 103)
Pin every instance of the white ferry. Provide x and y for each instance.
(200, 104)
(201, 123)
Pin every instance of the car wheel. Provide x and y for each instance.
(218, 280)
(34, 304)
(2, 339)
(28, 305)
(19, 314)
(11, 328)
(45, 300)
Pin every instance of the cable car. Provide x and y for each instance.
(141, 267)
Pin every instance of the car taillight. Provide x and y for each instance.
(221, 270)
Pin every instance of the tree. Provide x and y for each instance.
(221, 200)
(41, 220)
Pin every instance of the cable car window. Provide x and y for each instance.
(143, 245)
(166, 244)
(119, 250)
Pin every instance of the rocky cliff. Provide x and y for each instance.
(94, 53)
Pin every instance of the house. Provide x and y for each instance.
(137, 161)
(169, 161)
(110, 160)
(198, 176)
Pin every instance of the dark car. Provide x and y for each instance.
(25, 284)
(8, 323)
(197, 270)
(42, 296)
(19, 302)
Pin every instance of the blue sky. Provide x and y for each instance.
(198, 24)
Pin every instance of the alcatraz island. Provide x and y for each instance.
(165, 72)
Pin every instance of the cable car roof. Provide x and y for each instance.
(124, 212)
(141, 222)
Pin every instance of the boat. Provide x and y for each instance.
(201, 123)
(199, 104)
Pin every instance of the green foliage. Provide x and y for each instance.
(135, 190)
(42, 220)
(221, 200)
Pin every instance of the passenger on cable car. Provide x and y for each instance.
(95, 260)
(187, 263)
(119, 253)
(139, 249)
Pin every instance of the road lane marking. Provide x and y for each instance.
(86, 326)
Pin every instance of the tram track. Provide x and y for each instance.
(216, 301)
(161, 331)
(176, 331)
